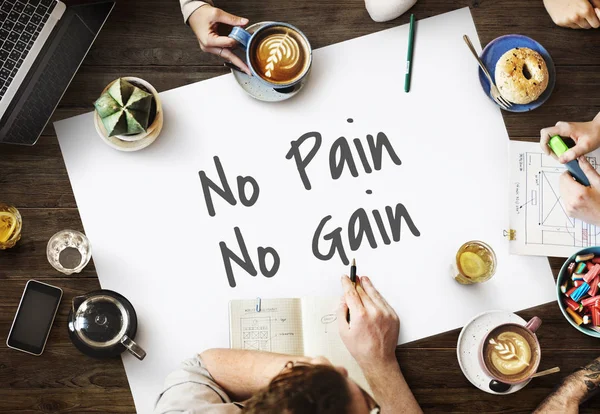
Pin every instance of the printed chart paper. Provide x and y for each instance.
(350, 167)
(537, 212)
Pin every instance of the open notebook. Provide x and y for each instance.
(296, 326)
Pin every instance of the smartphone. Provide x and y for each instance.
(35, 315)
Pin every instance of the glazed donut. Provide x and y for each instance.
(521, 75)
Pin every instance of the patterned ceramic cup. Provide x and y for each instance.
(278, 54)
(511, 352)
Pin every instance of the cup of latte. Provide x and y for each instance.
(278, 54)
(511, 353)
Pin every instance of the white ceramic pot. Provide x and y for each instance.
(138, 141)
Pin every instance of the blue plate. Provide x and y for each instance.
(497, 47)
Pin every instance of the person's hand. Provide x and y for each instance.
(204, 21)
(372, 334)
(575, 14)
(582, 202)
(585, 134)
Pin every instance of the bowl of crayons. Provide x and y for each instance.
(578, 290)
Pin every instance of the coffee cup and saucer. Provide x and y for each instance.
(279, 56)
(500, 346)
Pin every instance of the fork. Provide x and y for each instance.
(496, 95)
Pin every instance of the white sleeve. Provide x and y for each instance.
(191, 389)
(190, 6)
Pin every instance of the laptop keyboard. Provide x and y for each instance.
(20, 24)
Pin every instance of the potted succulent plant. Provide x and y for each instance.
(128, 114)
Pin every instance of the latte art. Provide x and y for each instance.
(283, 52)
(280, 55)
(510, 353)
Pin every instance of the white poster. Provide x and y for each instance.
(352, 167)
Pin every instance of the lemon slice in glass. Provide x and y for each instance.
(8, 222)
(472, 265)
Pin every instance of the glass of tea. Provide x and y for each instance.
(10, 226)
(475, 263)
(69, 251)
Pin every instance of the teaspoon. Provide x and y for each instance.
(499, 386)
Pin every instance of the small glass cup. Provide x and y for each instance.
(10, 226)
(69, 251)
(475, 263)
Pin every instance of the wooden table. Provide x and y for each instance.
(148, 39)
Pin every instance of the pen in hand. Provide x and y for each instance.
(353, 280)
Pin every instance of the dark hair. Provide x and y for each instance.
(314, 389)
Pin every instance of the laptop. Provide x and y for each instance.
(42, 44)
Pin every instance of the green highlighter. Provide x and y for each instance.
(559, 147)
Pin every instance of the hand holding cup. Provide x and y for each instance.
(205, 22)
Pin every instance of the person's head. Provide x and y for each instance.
(316, 387)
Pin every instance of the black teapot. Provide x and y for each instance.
(103, 324)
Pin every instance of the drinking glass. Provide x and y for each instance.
(475, 263)
(69, 251)
(10, 226)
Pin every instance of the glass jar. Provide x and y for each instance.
(475, 263)
(10, 226)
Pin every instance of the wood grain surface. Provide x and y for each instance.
(149, 39)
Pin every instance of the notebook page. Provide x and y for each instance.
(276, 328)
(537, 211)
(321, 337)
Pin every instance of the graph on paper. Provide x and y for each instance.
(256, 333)
(537, 211)
(275, 327)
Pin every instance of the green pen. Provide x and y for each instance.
(409, 55)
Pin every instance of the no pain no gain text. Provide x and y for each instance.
(351, 157)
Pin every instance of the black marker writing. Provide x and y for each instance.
(245, 262)
(341, 155)
(376, 148)
(241, 182)
(359, 226)
(395, 219)
(225, 191)
(355, 235)
(373, 227)
(262, 261)
(381, 227)
(302, 163)
(362, 155)
(336, 242)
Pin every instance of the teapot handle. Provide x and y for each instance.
(132, 347)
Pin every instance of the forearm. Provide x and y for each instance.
(575, 389)
(242, 373)
(190, 6)
(390, 389)
(585, 382)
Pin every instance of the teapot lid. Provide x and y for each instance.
(100, 321)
